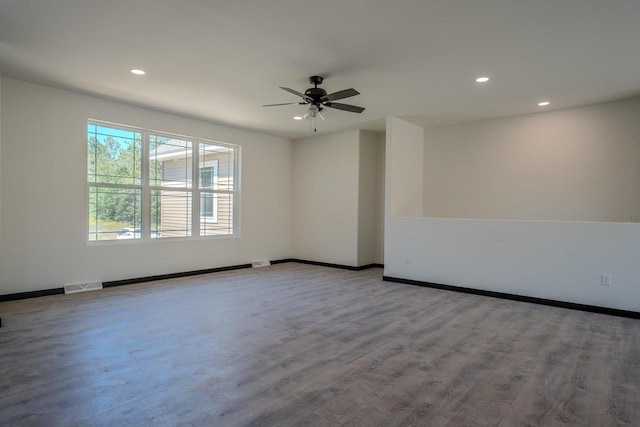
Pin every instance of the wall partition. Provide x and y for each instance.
(539, 206)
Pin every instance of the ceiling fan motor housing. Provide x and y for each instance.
(316, 94)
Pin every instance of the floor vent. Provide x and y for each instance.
(260, 263)
(82, 287)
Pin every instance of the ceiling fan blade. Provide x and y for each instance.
(275, 105)
(341, 94)
(345, 107)
(295, 92)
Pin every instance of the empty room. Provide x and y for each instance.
(295, 213)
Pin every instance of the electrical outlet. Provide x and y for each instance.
(407, 260)
(605, 279)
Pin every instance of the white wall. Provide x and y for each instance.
(0, 161)
(44, 194)
(380, 199)
(338, 197)
(367, 192)
(554, 260)
(579, 164)
(404, 143)
(325, 198)
(404, 168)
(559, 260)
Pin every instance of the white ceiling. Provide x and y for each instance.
(222, 59)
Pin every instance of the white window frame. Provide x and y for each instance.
(213, 218)
(195, 189)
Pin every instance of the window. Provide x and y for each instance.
(151, 185)
(209, 200)
(209, 176)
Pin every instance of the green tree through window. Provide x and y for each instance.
(115, 179)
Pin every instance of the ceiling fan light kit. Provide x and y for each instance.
(317, 99)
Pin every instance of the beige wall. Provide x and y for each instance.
(336, 187)
(580, 164)
(368, 189)
(380, 198)
(1, 180)
(325, 198)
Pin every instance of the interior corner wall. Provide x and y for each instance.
(44, 210)
(404, 169)
(367, 194)
(380, 198)
(0, 161)
(325, 198)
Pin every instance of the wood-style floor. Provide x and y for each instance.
(303, 345)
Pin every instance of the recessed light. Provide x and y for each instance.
(138, 72)
(297, 118)
(543, 103)
(482, 79)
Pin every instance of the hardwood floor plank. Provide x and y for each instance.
(296, 344)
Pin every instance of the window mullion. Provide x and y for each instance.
(146, 192)
(235, 221)
(195, 188)
(110, 185)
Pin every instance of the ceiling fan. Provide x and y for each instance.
(317, 99)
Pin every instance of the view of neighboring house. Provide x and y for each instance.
(171, 167)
